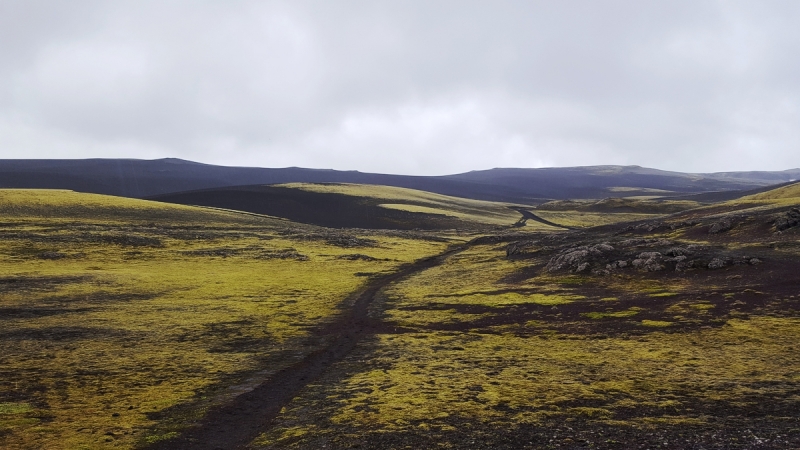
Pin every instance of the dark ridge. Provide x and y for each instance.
(146, 178)
(323, 209)
(723, 196)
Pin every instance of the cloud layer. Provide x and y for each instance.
(405, 87)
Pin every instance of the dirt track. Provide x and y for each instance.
(236, 424)
(527, 215)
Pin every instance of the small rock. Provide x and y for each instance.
(720, 227)
(716, 263)
(754, 261)
(678, 251)
(649, 255)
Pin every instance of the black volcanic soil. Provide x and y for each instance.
(756, 274)
(236, 424)
(323, 209)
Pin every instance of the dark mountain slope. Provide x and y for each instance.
(144, 178)
(618, 181)
(324, 209)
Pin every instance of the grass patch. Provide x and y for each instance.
(15, 408)
(656, 323)
(663, 294)
(616, 314)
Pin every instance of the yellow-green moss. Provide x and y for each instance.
(618, 314)
(151, 306)
(656, 323)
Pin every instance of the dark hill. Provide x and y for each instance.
(324, 209)
(145, 178)
(619, 181)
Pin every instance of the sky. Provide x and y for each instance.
(409, 87)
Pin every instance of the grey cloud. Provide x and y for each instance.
(405, 87)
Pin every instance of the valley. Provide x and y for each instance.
(273, 321)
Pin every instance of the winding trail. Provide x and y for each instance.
(236, 424)
(526, 215)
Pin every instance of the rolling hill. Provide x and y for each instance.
(145, 178)
(346, 205)
(339, 205)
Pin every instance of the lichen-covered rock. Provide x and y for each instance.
(649, 255)
(517, 248)
(720, 227)
(716, 263)
(617, 265)
(649, 261)
(571, 258)
(678, 251)
(789, 220)
(602, 248)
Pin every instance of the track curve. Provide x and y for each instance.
(236, 424)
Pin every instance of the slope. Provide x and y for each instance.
(122, 321)
(674, 332)
(144, 178)
(355, 206)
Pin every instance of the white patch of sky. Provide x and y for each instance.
(407, 87)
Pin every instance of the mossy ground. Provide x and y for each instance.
(122, 320)
(487, 351)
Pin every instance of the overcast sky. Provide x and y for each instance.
(412, 87)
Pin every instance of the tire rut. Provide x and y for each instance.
(235, 424)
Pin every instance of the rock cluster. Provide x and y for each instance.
(658, 226)
(789, 220)
(577, 259)
(607, 257)
(720, 227)
(648, 261)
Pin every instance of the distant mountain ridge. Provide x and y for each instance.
(145, 178)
